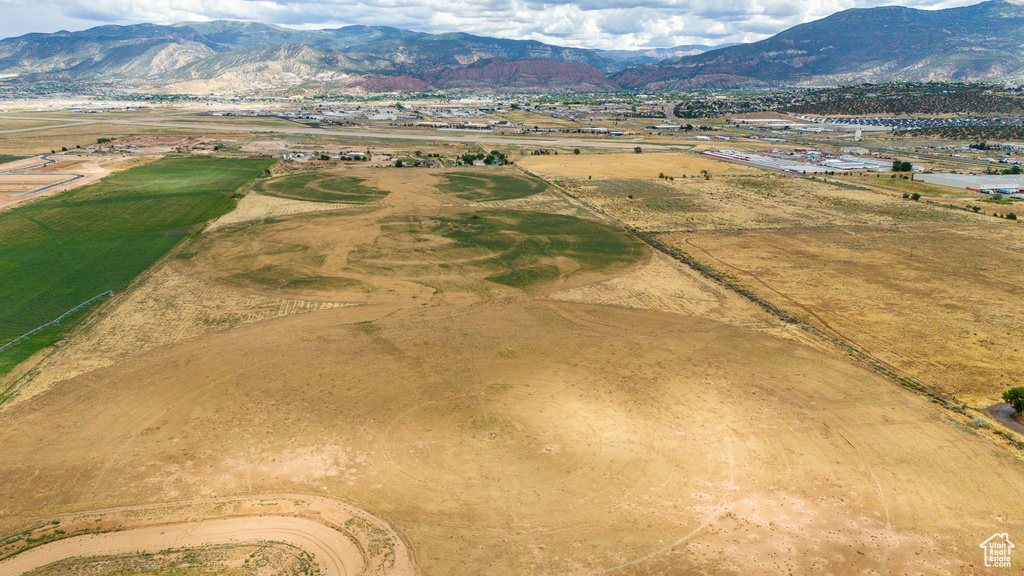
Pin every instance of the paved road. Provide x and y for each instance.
(1004, 414)
(670, 111)
(22, 172)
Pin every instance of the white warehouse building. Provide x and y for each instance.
(988, 183)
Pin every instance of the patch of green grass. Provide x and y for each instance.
(5, 158)
(523, 277)
(60, 252)
(635, 187)
(518, 249)
(483, 187)
(284, 278)
(680, 204)
(321, 187)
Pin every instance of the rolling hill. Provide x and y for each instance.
(980, 42)
(240, 56)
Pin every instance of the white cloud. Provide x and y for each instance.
(608, 24)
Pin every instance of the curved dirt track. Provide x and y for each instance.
(333, 551)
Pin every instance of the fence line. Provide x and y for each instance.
(57, 320)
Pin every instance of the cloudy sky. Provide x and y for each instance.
(604, 24)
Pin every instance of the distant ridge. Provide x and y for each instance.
(980, 42)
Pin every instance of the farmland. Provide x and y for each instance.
(318, 187)
(63, 251)
(492, 367)
(852, 257)
(482, 187)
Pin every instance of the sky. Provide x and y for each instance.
(600, 24)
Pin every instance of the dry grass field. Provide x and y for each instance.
(644, 165)
(518, 386)
(927, 289)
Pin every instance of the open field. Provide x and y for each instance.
(485, 185)
(870, 267)
(519, 386)
(45, 138)
(750, 201)
(15, 124)
(911, 186)
(320, 187)
(644, 165)
(929, 301)
(61, 252)
(539, 120)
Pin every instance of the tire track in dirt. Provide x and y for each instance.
(332, 549)
(881, 495)
(343, 539)
(708, 518)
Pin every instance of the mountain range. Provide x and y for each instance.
(980, 42)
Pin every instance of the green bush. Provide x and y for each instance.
(1015, 397)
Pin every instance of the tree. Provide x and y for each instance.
(576, 151)
(638, 150)
(1015, 397)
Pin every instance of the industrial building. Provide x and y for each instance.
(987, 183)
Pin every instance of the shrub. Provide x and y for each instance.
(1015, 397)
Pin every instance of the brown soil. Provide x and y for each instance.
(335, 538)
(638, 420)
(89, 167)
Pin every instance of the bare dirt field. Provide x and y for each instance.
(530, 392)
(44, 181)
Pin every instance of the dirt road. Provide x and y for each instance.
(335, 553)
